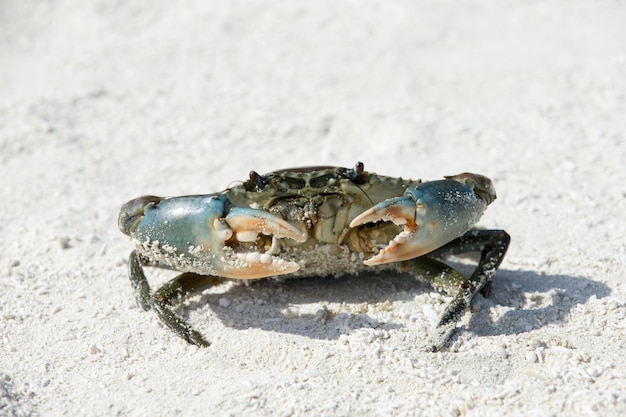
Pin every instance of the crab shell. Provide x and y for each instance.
(304, 221)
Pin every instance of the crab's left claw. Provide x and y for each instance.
(248, 223)
(432, 213)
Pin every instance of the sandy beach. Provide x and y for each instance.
(102, 102)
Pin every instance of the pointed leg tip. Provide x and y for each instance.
(196, 339)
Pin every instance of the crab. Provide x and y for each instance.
(311, 222)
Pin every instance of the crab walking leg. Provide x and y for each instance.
(177, 288)
(163, 298)
(138, 281)
(443, 276)
(492, 244)
(432, 271)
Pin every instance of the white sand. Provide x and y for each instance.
(104, 101)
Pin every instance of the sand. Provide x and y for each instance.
(102, 102)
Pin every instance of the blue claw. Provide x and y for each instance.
(433, 214)
(196, 234)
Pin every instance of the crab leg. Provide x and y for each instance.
(492, 244)
(160, 301)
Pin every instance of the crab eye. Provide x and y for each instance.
(357, 174)
(258, 180)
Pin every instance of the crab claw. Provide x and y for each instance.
(243, 225)
(207, 235)
(247, 223)
(432, 213)
(400, 211)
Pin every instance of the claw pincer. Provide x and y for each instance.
(193, 233)
(432, 213)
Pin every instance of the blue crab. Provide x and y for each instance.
(314, 222)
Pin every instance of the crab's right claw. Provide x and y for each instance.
(206, 235)
(432, 213)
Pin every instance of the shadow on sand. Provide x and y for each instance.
(326, 308)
